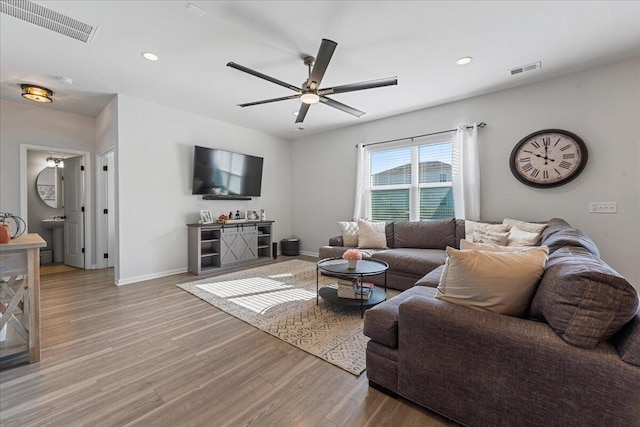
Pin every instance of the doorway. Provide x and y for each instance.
(62, 218)
(106, 221)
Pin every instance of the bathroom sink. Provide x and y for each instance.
(53, 223)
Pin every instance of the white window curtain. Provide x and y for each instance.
(465, 170)
(363, 184)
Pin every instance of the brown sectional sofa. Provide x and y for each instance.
(414, 249)
(574, 361)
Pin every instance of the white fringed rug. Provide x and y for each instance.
(280, 299)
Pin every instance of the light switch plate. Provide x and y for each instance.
(603, 207)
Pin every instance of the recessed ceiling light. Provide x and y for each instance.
(300, 128)
(464, 60)
(295, 113)
(150, 56)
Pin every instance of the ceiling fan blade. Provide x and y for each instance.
(322, 62)
(263, 76)
(302, 112)
(340, 106)
(266, 101)
(359, 86)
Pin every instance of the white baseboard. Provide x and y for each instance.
(144, 277)
(315, 254)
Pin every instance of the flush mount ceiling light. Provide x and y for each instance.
(309, 98)
(464, 60)
(37, 93)
(150, 56)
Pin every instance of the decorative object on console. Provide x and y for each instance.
(252, 214)
(205, 217)
(548, 158)
(20, 225)
(5, 233)
(352, 256)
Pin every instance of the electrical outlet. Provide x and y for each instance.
(603, 207)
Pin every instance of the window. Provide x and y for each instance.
(412, 183)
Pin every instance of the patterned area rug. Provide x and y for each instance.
(280, 299)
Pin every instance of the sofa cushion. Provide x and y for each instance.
(436, 234)
(471, 226)
(627, 341)
(583, 299)
(500, 282)
(570, 237)
(519, 237)
(553, 226)
(349, 230)
(381, 321)
(488, 236)
(417, 262)
(432, 278)
(492, 247)
(532, 227)
(372, 235)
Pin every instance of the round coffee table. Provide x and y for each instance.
(337, 267)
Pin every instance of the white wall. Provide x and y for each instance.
(154, 156)
(29, 123)
(601, 105)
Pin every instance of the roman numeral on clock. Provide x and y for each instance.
(565, 165)
(546, 141)
(525, 159)
(566, 147)
(545, 174)
(527, 167)
(535, 144)
(568, 156)
(535, 173)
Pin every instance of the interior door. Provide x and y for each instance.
(73, 212)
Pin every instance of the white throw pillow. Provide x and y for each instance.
(519, 237)
(372, 235)
(531, 227)
(491, 247)
(500, 282)
(486, 236)
(471, 226)
(349, 231)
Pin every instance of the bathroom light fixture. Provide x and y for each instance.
(37, 93)
(53, 162)
(464, 60)
(309, 98)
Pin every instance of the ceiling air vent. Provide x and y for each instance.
(525, 68)
(49, 19)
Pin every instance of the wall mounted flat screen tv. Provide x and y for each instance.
(225, 174)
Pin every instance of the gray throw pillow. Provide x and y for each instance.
(583, 299)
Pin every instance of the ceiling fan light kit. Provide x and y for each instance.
(37, 93)
(310, 92)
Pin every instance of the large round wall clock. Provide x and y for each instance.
(548, 158)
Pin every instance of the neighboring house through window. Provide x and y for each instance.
(411, 182)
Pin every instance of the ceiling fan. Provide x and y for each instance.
(310, 92)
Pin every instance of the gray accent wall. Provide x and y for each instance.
(601, 105)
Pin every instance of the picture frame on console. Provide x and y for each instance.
(252, 214)
(206, 217)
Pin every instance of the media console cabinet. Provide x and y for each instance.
(213, 247)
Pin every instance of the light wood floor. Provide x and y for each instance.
(150, 354)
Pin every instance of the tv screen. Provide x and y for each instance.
(225, 173)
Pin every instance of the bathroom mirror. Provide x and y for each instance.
(49, 186)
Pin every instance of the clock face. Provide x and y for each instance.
(548, 158)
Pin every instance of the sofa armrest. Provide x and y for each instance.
(336, 241)
(449, 355)
(627, 341)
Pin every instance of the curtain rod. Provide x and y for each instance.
(480, 125)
